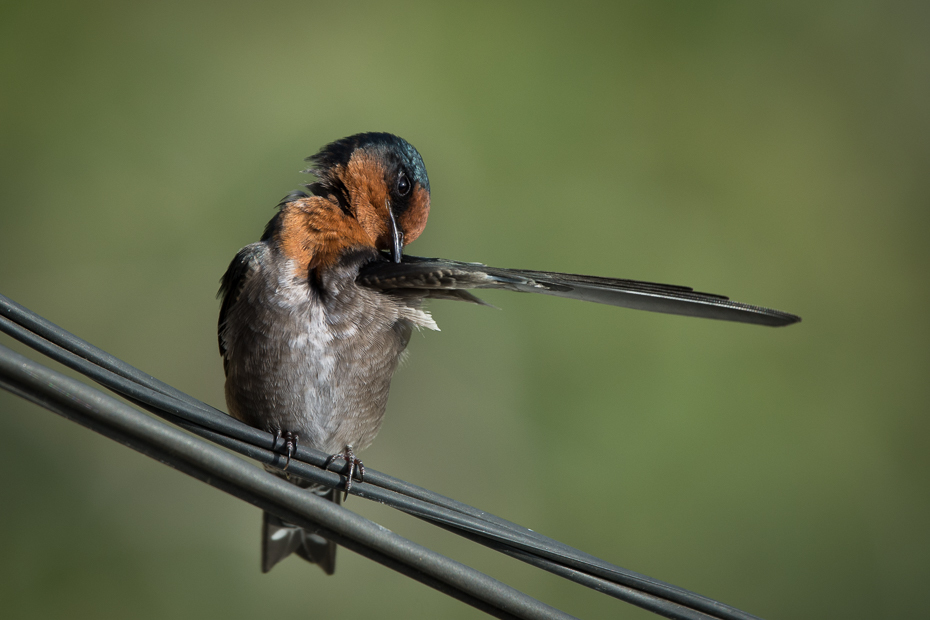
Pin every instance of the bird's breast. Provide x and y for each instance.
(315, 359)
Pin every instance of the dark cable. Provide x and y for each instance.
(106, 415)
(201, 419)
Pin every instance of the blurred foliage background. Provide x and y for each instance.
(777, 153)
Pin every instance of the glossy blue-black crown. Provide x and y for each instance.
(396, 152)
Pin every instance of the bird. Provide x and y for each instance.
(316, 315)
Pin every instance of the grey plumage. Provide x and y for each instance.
(313, 357)
(315, 360)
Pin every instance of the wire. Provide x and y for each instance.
(201, 459)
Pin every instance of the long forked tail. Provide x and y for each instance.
(280, 539)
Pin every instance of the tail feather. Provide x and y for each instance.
(280, 539)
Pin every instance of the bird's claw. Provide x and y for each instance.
(290, 444)
(356, 469)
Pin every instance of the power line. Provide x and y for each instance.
(202, 459)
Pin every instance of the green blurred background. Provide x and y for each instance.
(776, 153)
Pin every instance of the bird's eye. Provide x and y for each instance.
(403, 185)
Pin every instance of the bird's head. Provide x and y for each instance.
(379, 181)
(372, 191)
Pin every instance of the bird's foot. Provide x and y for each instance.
(354, 466)
(290, 444)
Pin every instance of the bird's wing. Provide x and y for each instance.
(434, 274)
(242, 266)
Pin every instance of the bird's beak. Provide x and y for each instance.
(397, 238)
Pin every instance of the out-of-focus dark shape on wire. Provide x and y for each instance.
(203, 460)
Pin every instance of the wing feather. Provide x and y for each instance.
(244, 264)
(432, 274)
